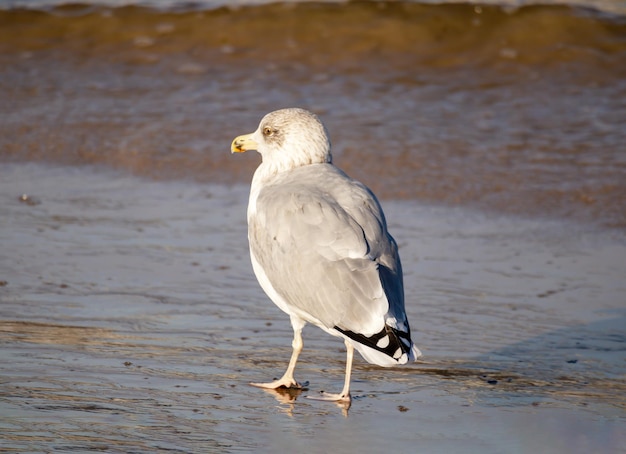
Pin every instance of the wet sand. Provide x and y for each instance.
(130, 321)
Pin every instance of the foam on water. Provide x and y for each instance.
(612, 6)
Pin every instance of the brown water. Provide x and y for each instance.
(130, 320)
(515, 110)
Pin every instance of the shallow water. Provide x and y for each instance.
(457, 104)
(130, 321)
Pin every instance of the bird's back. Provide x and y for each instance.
(322, 244)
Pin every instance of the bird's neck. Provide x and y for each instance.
(263, 176)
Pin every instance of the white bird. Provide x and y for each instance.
(320, 248)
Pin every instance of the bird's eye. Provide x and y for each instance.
(267, 131)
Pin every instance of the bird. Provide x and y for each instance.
(320, 248)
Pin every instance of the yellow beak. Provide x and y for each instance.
(243, 143)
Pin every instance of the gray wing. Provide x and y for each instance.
(321, 239)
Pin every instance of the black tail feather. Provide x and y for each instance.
(399, 342)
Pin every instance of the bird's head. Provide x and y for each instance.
(286, 139)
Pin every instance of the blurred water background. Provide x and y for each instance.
(516, 107)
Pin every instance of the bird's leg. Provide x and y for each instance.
(287, 380)
(344, 395)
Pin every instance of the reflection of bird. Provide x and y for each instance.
(320, 248)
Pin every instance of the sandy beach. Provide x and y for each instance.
(130, 321)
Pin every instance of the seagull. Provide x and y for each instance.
(320, 248)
